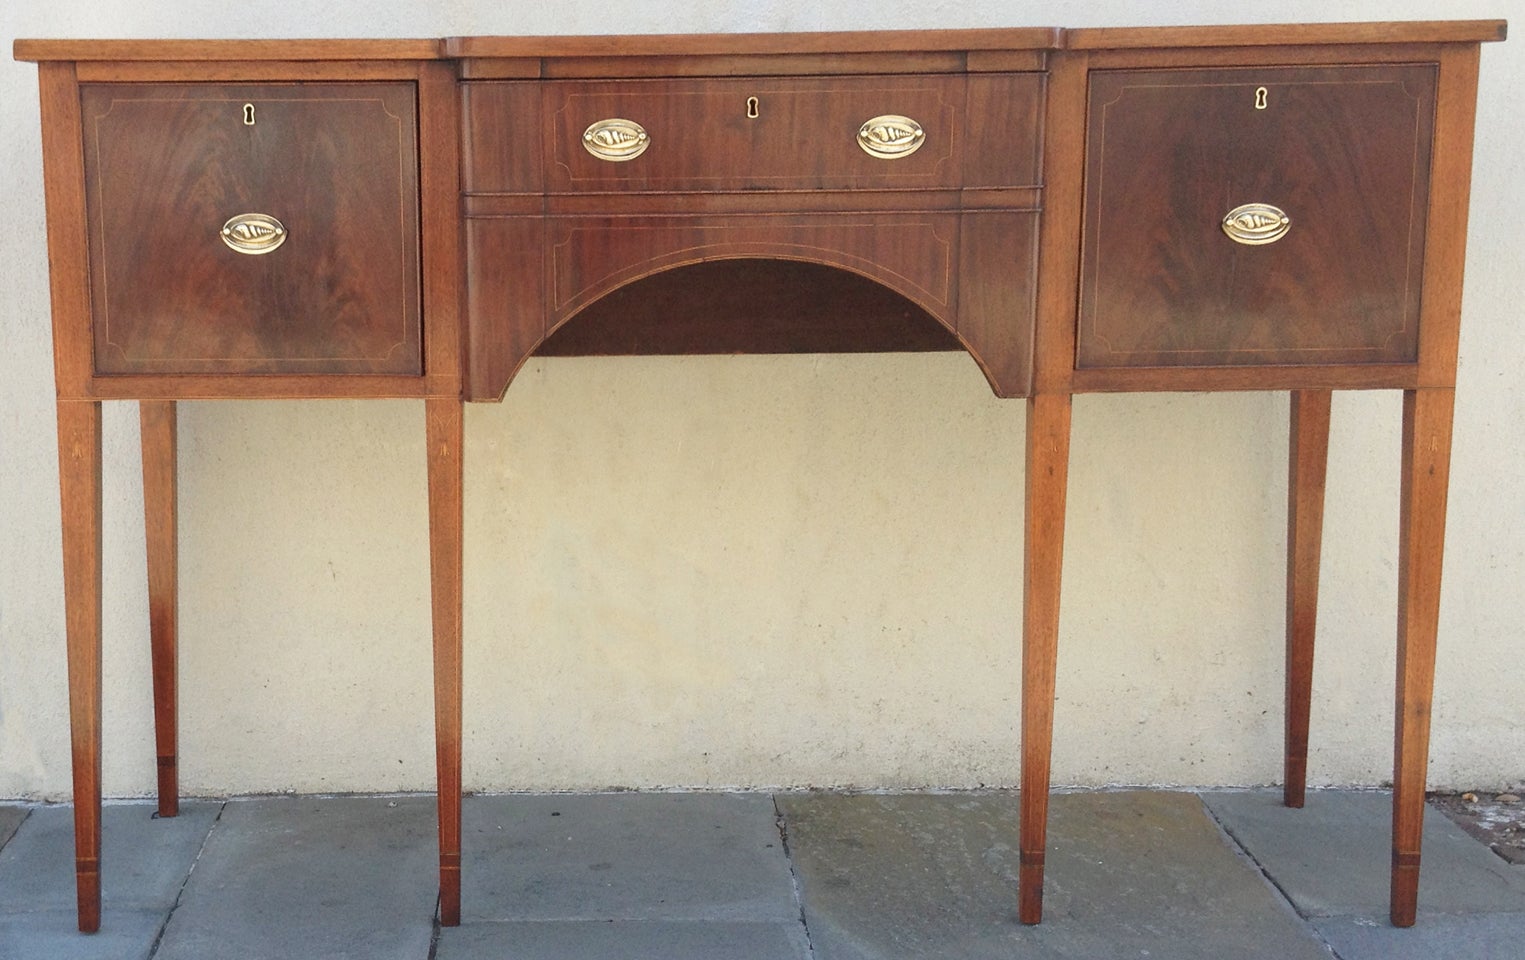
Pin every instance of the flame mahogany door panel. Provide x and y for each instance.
(336, 165)
(1343, 151)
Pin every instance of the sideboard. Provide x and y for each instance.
(1192, 208)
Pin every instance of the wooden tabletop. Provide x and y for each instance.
(887, 42)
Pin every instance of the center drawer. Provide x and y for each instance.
(754, 134)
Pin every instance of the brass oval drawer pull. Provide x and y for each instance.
(1256, 223)
(253, 233)
(891, 137)
(616, 140)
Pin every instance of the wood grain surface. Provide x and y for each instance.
(167, 164)
(1344, 151)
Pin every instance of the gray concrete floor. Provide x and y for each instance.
(755, 877)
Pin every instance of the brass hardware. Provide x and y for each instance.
(751, 108)
(1256, 223)
(616, 140)
(1260, 98)
(248, 114)
(253, 233)
(891, 137)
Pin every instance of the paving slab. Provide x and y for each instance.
(1489, 936)
(1332, 857)
(344, 878)
(1129, 874)
(624, 856)
(144, 859)
(52, 935)
(11, 816)
(626, 939)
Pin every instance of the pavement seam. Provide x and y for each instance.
(1270, 881)
(781, 824)
(25, 816)
(435, 935)
(153, 950)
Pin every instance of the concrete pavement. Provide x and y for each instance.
(792, 876)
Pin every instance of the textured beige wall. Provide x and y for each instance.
(755, 571)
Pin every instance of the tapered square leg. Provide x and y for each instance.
(157, 418)
(1048, 454)
(79, 484)
(1307, 467)
(444, 432)
(1421, 541)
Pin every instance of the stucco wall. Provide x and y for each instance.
(756, 571)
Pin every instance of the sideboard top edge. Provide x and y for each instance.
(207, 50)
(699, 44)
(1417, 31)
(732, 44)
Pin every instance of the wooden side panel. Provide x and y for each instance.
(913, 254)
(747, 307)
(68, 251)
(1004, 117)
(1450, 190)
(337, 164)
(1344, 151)
(505, 300)
(501, 137)
(998, 260)
(441, 231)
(1059, 225)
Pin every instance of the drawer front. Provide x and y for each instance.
(1341, 153)
(181, 286)
(754, 134)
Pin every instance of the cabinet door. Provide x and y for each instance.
(244, 228)
(1333, 159)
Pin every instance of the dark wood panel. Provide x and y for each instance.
(1345, 151)
(505, 300)
(749, 306)
(1004, 146)
(501, 137)
(803, 137)
(753, 284)
(337, 164)
(997, 296)
(913, 254)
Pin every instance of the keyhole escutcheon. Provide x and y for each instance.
(1260, 98)
(751, 108)
(248, 114)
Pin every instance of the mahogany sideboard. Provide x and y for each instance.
(1192, 208)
